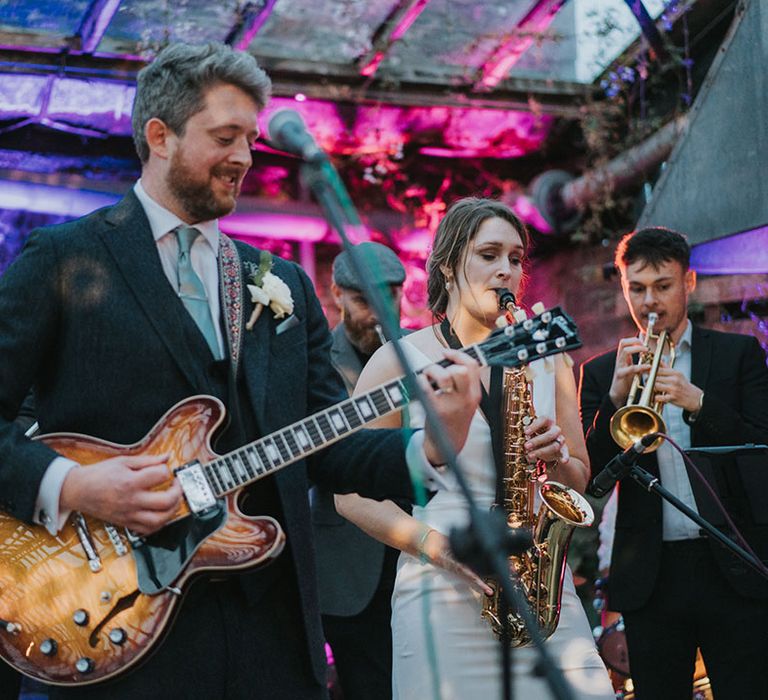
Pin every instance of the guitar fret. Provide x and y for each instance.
(239, 470)
(350, 413)
(213, 479)
(253, 457)
(245, 460)
(313, 428)
(224, 475)
(337, 421)
(325, 426)
(287, 435)
(380, 401)
(272, 452)
(302, 436)
(365, 408)
(396, 394)
(263, 456)
(282, 447)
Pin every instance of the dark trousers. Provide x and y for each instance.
(220, 647)
(362, 643)
(692, 606)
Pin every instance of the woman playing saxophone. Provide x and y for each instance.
(479, 247)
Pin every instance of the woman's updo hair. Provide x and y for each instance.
(456, 231)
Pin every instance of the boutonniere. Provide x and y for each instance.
(267, 290)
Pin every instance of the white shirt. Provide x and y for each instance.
(204, 258)
(674, 476)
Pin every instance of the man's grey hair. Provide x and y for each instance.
(172, 88)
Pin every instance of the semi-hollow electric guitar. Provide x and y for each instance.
(90, 602)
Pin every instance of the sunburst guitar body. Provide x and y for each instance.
(70, 604)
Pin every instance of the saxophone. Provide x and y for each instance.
(538, 571)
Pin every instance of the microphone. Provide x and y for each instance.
(619, 466)
(288, 132)
(507, 301)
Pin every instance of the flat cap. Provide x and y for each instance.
(382, 261)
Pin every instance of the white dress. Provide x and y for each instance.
(441, 646)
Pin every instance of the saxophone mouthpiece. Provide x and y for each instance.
(507, 301)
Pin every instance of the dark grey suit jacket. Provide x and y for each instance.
(88, 318)
(731, 370)
(349, 562)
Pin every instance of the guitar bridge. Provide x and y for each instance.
(197, 490)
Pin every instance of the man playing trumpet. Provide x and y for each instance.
(677, 590)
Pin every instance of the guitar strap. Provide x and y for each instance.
(490, 405)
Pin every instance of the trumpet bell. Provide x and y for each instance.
(631, 423)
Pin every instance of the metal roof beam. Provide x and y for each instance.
(338, 83)
(535, 21)
(94, 24)
(405, 13)
(251, 19)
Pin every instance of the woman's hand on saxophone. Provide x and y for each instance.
(545, 441)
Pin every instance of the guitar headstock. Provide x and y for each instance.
(548, 333)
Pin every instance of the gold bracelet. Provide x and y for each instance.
(423, 557)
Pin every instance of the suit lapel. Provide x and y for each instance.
(255, 343)
(701, 357)
(701, 360)
(132, 246)
(344, 358)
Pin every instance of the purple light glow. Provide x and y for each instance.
(48, 199)
(491, 133)
(105, 106)
(95, 104)
(287, 227)
(742, 253)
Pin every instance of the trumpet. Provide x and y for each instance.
(640, 417)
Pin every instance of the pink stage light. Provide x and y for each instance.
(284, 227)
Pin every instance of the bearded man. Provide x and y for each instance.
(114, 318)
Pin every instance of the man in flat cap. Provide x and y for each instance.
(356, 573)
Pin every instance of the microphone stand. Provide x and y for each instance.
(652, 484)
(322, 179)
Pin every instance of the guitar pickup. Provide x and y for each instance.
(197, 490)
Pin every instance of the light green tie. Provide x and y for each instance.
(192, 290)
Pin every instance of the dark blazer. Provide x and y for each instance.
(349, 562)
(88, 318)
(731, 370)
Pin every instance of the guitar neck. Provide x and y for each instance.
(269, 454)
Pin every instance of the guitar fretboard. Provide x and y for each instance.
(294, 442)
(546, 334)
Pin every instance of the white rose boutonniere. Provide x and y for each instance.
(268, 290)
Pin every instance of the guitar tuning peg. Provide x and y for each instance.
(520, 315)
(538, 308)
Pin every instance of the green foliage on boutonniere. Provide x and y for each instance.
(267, 290)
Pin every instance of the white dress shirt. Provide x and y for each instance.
(674, 476)
(204, 258)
